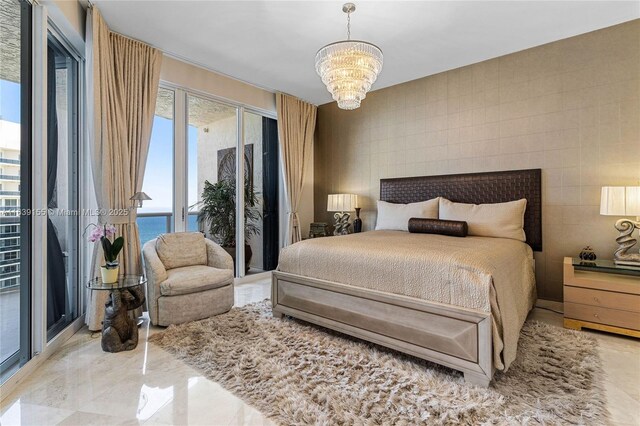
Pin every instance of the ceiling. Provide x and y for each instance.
(272, 44)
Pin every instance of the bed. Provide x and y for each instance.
(459, 302)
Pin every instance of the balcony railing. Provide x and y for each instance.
(151, 230)
(9, 235)
(166, 215)
(9, 177)
(10, 193)
(9, 161)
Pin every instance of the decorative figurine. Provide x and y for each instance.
(318, 229)
(119, 330)
(587, 254)
(357, 222)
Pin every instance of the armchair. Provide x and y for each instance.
(188, 278)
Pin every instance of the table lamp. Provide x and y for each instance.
(341, 204)
(623, 201)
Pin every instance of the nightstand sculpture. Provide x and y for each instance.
(623, 201)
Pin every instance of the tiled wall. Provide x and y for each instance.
(571, 108)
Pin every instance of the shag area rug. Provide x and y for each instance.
(296, 373)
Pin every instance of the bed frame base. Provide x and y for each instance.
(455, 337)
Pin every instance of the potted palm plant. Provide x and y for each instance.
(218, 215)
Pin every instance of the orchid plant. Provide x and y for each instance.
(111, 246)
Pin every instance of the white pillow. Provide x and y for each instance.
(395, 217)
(501, 220)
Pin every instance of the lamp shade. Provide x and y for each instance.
(620, 201)
(138, 198)
(342, 202)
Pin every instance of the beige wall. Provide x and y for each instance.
(73, 12)
(196, 78)
(571, 108)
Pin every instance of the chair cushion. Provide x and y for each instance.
(181, 249)
(194, 279)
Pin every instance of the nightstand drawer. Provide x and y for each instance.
(600, 315)
(605, 299)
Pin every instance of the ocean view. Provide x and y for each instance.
(151, 227)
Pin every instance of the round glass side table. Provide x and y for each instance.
(119, 330)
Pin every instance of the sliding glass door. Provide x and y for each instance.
(212, 140)
(15, 186)
(62, 187)
(192, 172)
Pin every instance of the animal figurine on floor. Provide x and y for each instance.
(119, 331)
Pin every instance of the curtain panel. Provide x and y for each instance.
(122, 86)
(56, 276)
(296, 127)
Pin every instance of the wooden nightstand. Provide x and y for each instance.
(602, 297)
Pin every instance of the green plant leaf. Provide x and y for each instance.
(107, 249)
(117, 245)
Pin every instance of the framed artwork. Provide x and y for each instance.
(227, 164)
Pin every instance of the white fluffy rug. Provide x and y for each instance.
(296, 373)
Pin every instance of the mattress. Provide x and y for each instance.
(493, 275)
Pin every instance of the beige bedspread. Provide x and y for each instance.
(487, 274)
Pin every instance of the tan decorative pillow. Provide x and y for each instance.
(181, 249)
(395, 217)
(500, 220)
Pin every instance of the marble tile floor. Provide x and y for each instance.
(81, 385)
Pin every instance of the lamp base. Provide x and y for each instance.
(341, 227)
(635, 263)
(626, 242)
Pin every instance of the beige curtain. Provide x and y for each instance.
(296, 126)
(122, 85)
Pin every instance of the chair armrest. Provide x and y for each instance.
(156, 274)
(218, 257)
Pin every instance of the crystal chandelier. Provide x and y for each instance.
(348, 68)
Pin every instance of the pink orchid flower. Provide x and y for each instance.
(96, 234)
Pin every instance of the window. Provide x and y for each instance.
(15, 143)
(212, 137)
(156, 215)
(200, 147)
(62, 186)
(9, 255)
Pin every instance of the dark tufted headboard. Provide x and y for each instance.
(476, 188)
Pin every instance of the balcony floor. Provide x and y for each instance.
(10, 324)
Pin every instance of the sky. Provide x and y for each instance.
(9, 101)
(158, 175)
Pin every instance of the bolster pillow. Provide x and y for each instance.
(453, 228)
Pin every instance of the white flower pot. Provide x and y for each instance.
(109, 275)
